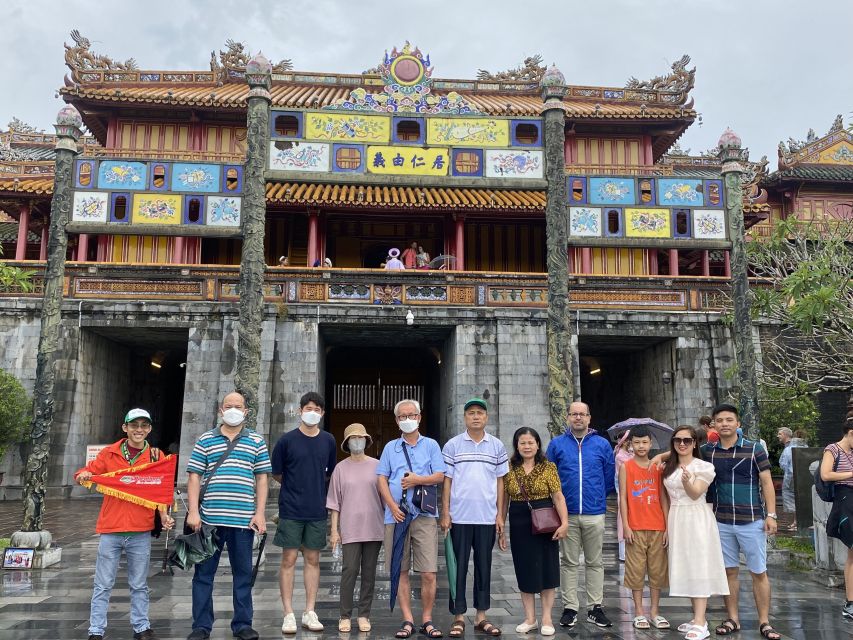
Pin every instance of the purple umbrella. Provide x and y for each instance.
(661, 433)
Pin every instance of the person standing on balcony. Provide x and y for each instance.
(393, 262)
(423, 258)
(410, 256)
(587, 472)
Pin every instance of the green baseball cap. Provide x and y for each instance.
(476, 402)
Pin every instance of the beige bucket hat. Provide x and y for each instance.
(355, 429)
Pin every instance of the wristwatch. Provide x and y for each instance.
(772, 515)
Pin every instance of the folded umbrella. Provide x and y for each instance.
(400, 531)
(450, 561)
(261, 546)
(193, 548)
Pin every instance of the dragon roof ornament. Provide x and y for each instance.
(80, 58)
(22, 127)
(231, 66)
(681, 80)
(531, 71)
(837, 124)
(795, 151)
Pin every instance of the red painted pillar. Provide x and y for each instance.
(586, 260)
(312, 237)
(673, 262)
(178, 251)
(653, 262)
(43, 245)
(23, 229)
(728, 265)
(83, 247)
(460, 242)
(706, 263)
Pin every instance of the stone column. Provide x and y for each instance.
(731, 154)
(459, 239)
(23, 230)
(68, 124)
(252, 264)
(559, 328)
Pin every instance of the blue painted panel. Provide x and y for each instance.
(165, 185)
(606, 215)
(199, 219)
(714, 193)
(680, 192)
(686, 232)
(125, 219)
(346, 169)
(89, 164)
(576, 190)
(421, 127)
(611, 190)
(239, 186)
(480, 163)
(646, 197)
(535, 123)
(200, 178)
(122, 174)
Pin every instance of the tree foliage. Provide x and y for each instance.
(16, 409)
(14, 278)
(808, 297)
(794, 408)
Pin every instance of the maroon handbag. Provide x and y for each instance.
(542, 519)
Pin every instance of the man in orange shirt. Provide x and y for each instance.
(124, 526)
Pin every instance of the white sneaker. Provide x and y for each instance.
(525, 628)
(289, 624)
(311, 622)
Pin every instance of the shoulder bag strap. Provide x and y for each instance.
(231, 445)
(522, 489)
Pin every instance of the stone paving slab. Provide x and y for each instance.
(53, 604)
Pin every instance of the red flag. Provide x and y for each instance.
(151, 484)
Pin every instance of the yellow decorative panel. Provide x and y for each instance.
(347, 127)
(156, 208)
(647, 223)
(407, 161)
(841, 153)
(460, 132)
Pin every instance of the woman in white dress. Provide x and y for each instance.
(696, 568)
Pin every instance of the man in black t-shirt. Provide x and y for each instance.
(302, 461)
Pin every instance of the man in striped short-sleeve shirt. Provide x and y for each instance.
(234, 500)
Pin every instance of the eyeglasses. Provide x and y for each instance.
(578, 415)
(138, 427)
(409, 416)
(682, 441)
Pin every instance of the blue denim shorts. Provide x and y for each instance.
(748, 539)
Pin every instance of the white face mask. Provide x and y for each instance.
(233, 417)
(357, 445)
(408, 426)
(311, 418)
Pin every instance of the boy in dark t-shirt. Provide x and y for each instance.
(302, 461)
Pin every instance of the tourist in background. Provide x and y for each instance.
(839, 525)
(357, 524)
(696, 568)
(790, 440)
(622, 454)
(708, 431)
(410, 256)
(533, 483)
(583, 459)
(423, 258)
(393, 263)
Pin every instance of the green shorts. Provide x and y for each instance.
(295, 534)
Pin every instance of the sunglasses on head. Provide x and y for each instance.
(682, 441)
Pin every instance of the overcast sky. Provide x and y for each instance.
(770, 69)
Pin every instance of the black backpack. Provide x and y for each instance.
(826, 489)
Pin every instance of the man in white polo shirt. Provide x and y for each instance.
(473, 491)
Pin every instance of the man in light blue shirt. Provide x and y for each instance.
(424, 467)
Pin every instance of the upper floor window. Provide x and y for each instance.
(408, 130)
(287, 126)
(527, 133)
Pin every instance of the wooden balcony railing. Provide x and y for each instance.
(618, 170)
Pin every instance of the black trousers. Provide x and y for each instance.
(480, 538)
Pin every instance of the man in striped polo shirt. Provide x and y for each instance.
(234, 500)
(473, 492)
(744, 520)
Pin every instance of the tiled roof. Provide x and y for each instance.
(34, 186)
(818, 173)
(9, 233)
(389, 197)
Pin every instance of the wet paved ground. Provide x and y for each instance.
(54, 603)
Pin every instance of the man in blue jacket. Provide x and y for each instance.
(585, 463)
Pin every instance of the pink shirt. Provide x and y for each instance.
(354, 494)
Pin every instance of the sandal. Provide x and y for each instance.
(697, 633)
(659, 622)
(364, 625)
(430, 630)
(727, 628)
(684, 627)
(488, 628)
(641, 622)
(457, 629)
(768, 632)
(406, 630)
(344, 625)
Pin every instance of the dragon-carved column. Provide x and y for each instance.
(559, 329)
(731, 154)
(252, 263)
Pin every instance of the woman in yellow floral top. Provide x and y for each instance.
(536, 558)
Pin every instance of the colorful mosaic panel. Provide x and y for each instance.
(513, 163)
(84, 175)
(223, 211)
(841, 153)
(714, 193)
(680, 192)
(348, 158)
(120, 174)
(90, 206)
(612, 191)
(709, 224)
(347, 127)
(585, 222)
(299, 156)
(460, 132)
(408, 161)
(426, 294)
(199, 178)
(355, 292)
(156, 208)
(647, 223)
